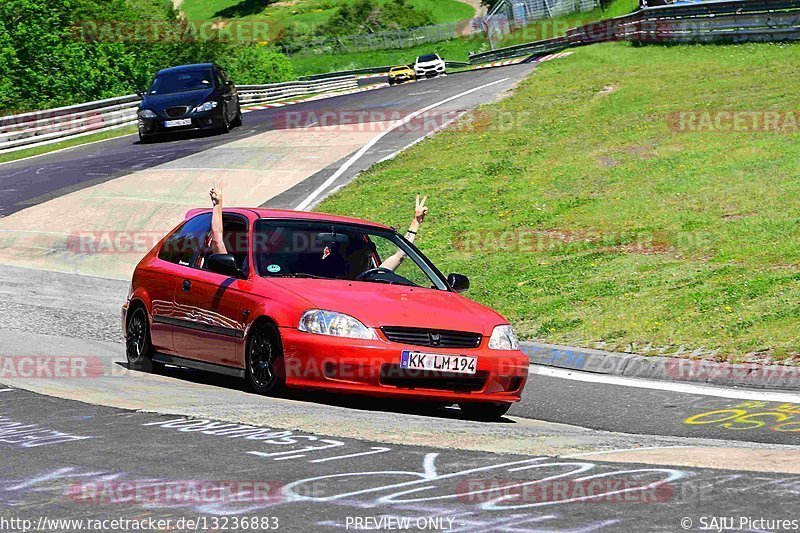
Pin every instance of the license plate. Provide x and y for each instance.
(175, 123)
(459, 364)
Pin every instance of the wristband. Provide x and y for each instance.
(412, 232)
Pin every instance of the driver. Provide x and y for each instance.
(391, 263)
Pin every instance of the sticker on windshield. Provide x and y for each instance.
(274, 268)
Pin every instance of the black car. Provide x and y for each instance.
(189, 97)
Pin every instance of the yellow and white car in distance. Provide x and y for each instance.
(401, 73)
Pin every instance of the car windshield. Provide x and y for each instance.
(429, 57)
(398, 69)
(179, 82)
(310, 249)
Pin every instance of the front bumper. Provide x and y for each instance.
(372, 368)
(125, 319)
(430, 72)
(401, 78)
(210, 120)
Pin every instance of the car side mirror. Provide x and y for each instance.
(140, 94)
(224, 264)
(458, 282)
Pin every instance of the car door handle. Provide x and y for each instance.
(187, 285)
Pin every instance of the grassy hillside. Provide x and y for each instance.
(457, 49)
(631, 233)
(307, 12)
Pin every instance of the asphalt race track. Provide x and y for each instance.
(30, 182)
(201, 452)
(120, 465)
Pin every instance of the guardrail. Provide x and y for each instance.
(257, 94)
(374, 70)
(706, 22)
(39, 128)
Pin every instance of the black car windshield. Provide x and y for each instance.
(311, 249)
(428, 57)
(180, 82)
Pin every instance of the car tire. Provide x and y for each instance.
(226, 123)
(237, 121)
(485, 412)
(138, 346)
(263, 356)
(144, 139)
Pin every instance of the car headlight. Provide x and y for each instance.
(146, 113)
(504, 338)
(335, 324)
(208, 106)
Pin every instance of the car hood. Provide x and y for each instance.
(376, 304)
(431, 63)
(189, 98)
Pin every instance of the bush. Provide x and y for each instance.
(49, 63)
(8, 62)
(257, 64)
(366, 16)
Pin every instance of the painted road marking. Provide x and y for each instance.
(249, 109)
(427, 136)
(305, 204)
(375, 449)
(6, 390)
(151, 201)
(65, 149)
(687, 388)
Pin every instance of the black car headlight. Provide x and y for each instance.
(202, 108)
(146, 113)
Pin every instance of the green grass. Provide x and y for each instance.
(307, 12)
(456, 49)
(452, 50)
(29, 152)
(663, 241)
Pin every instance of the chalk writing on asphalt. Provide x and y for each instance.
(22, 435)
(750, 415)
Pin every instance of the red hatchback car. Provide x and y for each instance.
(301, 301)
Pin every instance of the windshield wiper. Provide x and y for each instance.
(298, 275)
(389, 282)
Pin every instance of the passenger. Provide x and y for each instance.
(217, 240)
(392, 262)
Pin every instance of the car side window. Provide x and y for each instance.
(220, 79)
(234, 236)
(182, 246)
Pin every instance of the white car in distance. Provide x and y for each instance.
(429, 65)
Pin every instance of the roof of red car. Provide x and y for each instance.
(261, 212)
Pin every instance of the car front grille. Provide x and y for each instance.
(175, 112)
(395, 376)
(437, 338)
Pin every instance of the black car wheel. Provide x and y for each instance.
(138, 347)
(144, 139)
(485, 412)
(226, 122)
(237, 120)
(264, 354)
